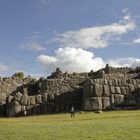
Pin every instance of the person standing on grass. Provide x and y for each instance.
(24, 110)
(25, 113)
(72, 112)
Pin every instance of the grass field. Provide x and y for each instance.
(116, 125)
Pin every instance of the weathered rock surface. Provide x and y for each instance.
(106, 89)
(24, 99)
(14, 108)
(106, 103)
(98, 90)
(17, 96)
(93, 103)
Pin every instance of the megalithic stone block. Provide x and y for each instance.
(106, 103)
(88, 91)
(118, 100)
(17, 96)
(118, 90)
(45, 97)
(24, 99)
(98, 90)
(93, 103)
(14, 108)
(39, 99)
(110, 83)
(32, 100)
(131, 87)
(112, 102)
(106, 91)
(123, 90)
(112, 90)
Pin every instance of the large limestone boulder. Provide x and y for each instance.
(110, 82)
(98, 90)
(17, 96)
(88, 91)
(105, 103)
(118, 100)
(112, 90)
(123, 90)
(116, 82)
(134, 81)
(90, 82)
(10, 98)
(127, 89)
(50, 96)
(93, 103)
(45, 97)
(32, 100)
(123, 82)
(118, 90)
(24, 99)
(13, 109)
(106, 91)
(131, 87)
(119, 82)
(39, 99)
(112, 99)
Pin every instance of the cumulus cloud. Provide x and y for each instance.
(96, 37)
(125, 62)
(79, 60)
(136, 41)
(72, 55)
(3, 67)
(71, 60)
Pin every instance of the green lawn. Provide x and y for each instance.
(116, 125)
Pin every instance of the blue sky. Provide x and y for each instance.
(36, 36)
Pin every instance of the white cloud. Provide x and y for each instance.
(33, 46)
(71, 60)
(136, 41)
(96, 37)
(79, 60)
(72, 57)
(33, 42)
(3, 67)
(124, 62)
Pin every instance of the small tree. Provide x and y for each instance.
(19, 74)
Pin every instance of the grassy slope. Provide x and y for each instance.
(117, 125)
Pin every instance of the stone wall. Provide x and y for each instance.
(99, 90)
(104, 94)
(51, 96)
(8, 87)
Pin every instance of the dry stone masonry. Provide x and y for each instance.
(112, 89)
(107, 89)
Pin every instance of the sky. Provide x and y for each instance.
(37, 36)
